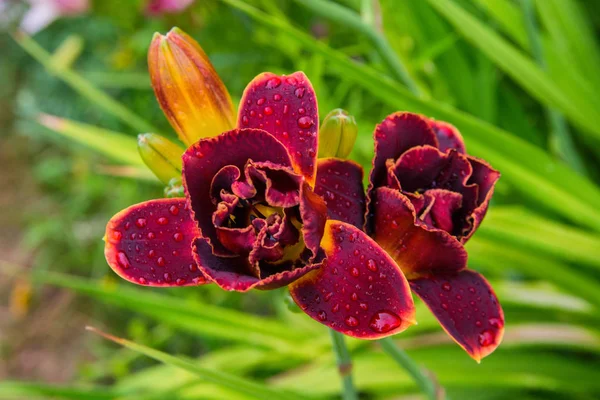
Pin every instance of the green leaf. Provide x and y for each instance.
(579, 107)
(199, 318)
(28, 390)
(118, 146)
(237, 384)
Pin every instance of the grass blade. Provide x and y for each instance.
(241, 385)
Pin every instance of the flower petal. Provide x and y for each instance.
(151, 244)
(425, 167)
(417, 249)
(313, 212)
(286, 107)
(187, 87)
(359, 290)
(203, 160)
(397, 133)
(466, 307)
(485, 177)
(441, 209)
(339, 182)
(232, 273)
(282, 185)
(448, 136)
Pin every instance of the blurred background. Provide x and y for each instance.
(519, 78)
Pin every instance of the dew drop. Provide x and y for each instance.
(140, 222)
(305, 122)
(245, 120)
(180, 281)
(354, 272)
(486, 338)
(273, 83)
(286, 108)
(299, 92)
(384, 321)
(363, 306)
(351, 321)
(260, 101)
(495, 322)
(117, 235)
(268, 110)
(335, 308)
(122, 260)
(372, 265)
(322, 315)
(167, 277)
(178, 237)
(151, 254)
(150, 235)
(192, 268)
(472, 289)
(277, 97)
(478, 324)
(328, 296)
(160, 261)
(142, 280)
(444, 306)
(174, 210)
(354, 296)
(446, 286)
(162, 221)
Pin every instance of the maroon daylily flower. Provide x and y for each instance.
(425, 199)
(254, 215)
(425, 192)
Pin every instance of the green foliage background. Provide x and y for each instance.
(520, 80)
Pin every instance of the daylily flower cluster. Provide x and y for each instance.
(262, 211)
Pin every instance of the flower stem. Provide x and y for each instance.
(344, 364)
(427, 385)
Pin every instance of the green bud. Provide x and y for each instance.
(162, 156)
(174, 188)
(337, 134)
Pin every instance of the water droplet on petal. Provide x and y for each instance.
(446, 286)
(174, 210)
(322, 315)
(268, 110)
(299, 92)
(245, 120)
(178, 237)
(142, 280)
(277, 97)
(486, 338)
(167, 277)
(260, 101)
(140, 222)
(117, 235)
(160, 261)
(122, 260)
(351, 321)
(495, 322)
(162, 221)
(372, 265)
(354, 272)
(273, 83)
(305, 122)
(384, 321)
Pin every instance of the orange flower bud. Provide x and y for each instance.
(188, 89)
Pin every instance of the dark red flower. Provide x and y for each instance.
(426, 198)
(253, 216)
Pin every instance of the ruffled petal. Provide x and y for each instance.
(466, 307)
(441, 208)
(203, 160)
(393, 136)
(485, 177)
(358, 290)
(151, 244)
(313, 212)
(286, 107)
(417, 249)
(425, 167)
(339, 182)
(448, 136)
(235, 273)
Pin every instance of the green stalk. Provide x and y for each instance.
(560, 131)
(349, 18)
(81, 85)
(429, 387)
(344, 363)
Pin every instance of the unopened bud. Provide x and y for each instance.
(162, 156)
(337, 134)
